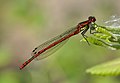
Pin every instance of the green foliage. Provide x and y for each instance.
(108, 68)
(109, 38)
(106, 37)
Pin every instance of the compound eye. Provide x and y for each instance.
(92, 18)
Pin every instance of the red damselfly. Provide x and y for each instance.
(50, 46)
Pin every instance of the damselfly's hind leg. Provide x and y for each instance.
(83, 34)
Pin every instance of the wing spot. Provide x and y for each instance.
(35, 52)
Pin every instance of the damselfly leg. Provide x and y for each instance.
(83, 33)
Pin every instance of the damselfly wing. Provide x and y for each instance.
(54, 48)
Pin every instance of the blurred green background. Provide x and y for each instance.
(25, 24)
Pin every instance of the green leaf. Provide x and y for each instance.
(115, 30)
(96, 41)
(104, 37)
(106, 69)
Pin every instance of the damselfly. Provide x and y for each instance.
(50, 46)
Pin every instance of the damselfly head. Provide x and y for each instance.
(91, 18)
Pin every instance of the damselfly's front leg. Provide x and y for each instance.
(83, 33)
(92, 28)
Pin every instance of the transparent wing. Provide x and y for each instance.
(49, 51)
(54, 48)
